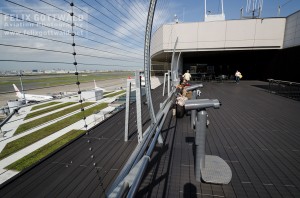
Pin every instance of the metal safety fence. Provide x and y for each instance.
(285, 88)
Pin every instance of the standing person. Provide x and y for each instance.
(187, 76)
(238, 75)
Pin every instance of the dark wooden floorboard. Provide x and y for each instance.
(255, 132)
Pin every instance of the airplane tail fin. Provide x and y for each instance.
(95, 84)
(16, 88)
(96, 87)
(18, 93)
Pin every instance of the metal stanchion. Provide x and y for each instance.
(209, 168)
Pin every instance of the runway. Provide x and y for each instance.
(109, 85)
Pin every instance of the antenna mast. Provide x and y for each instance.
(214, 17)
(254, 8)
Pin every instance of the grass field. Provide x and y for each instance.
(31, 138)
(114, 94)
(42, 152)
(44, 105)
(37, 122)
(47, 110)
(48, 80)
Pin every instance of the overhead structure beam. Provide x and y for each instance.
(147, 59)
(174, 67)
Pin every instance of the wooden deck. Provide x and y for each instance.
(255, 132)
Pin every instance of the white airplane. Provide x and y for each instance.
(98, 88)
(31, 97)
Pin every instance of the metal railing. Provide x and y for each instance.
(134, 168)
(285, 88)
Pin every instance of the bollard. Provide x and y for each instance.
(202, 104)
(196, 91)
(209, 168)
(200, 142)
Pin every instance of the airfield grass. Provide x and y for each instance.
(31, 138)
(42, 152)
(39, 121)
(43, 111)
(43, 105)
(115, 94)
(49, 80)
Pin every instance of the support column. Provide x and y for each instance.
(138, 106)
(147, 60)
(169, 73)
(165, 79)
(200, 142)
(127, 110)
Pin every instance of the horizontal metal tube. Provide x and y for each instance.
(146, 158)
(153, 143)
(123, 190)
(136, 182)
(193, 87)
(8, 117)
(202, 104)
(140, 149)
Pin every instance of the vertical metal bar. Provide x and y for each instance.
(165, 78)
(193, 112)
(174, 70)
(177, 66)
(147, 59)
(205, 15)
(138, 106)
(222, 7)
(127, 110)
(200, 142)
(22, 88)
(169, 79)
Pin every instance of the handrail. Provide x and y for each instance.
(6, 120)
(141, 148)
(283, 81)
(138, 161)
(146, 157)
(285, 88)
(9, 116)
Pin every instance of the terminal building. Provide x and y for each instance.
(261, 48)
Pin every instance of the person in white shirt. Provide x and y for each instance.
(237, 76)
(187, 76)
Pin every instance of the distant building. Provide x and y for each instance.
(261, 48)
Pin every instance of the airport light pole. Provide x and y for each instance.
(20, 75)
